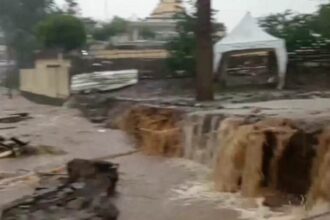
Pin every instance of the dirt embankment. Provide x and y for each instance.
(276, 158)
(157, 131)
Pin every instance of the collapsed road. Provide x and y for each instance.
(153, 187)
(84, 193)
(145, 188)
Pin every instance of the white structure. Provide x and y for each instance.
(104, 81)
(248, 35)
(161, 21)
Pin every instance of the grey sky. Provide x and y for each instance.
(230, 11)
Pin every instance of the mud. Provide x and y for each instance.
(283, 160)
(157, 131)
(260, 160)
(75, 197)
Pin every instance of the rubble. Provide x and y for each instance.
(14, 147)
(284, 160)
(14, 118)
(7, 128)
(86, 193)
(103, 81)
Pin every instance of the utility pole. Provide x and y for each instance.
(204, 71)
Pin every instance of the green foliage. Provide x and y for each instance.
(300, 30)
(182, 48)
(116, 26)
(18, 19)
(322, 21)
(63, 32)
(72, 7)
(90, 25)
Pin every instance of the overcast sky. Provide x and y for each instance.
(230, 11)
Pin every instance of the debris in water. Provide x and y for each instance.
(248, 208)
(272, 158)
(7, 128)
(85, 194)
(14, 147)
(14, 118)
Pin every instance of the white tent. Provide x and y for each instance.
(248, 35)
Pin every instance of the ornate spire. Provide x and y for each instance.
(166, 9)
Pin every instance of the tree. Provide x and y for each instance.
(62, 32)
(322, 20)
(72, 7)
(18, 19)
(182, 48)
(294, 28)
(204, 70)
(300, 30)
(115, 27)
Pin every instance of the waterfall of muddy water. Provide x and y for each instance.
(157, 130)
(202, 189)
(277, 159)
(201, 138)
(273, 158)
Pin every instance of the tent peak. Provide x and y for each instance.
(248, 30)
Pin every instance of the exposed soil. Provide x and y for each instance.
(71, 197)
(147, 181)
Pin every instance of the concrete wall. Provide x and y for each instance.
(50, 78)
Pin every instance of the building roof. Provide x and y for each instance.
(166, 9)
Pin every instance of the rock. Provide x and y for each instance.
(275, 201)
(76, 204)
(53, 208)
(84, 215)
(107, 211)
(86, 196)
(99, 173)
(78, 185)
(256, 110)
(68, 190)
(39, 215)
(98, 120)
(24, 207)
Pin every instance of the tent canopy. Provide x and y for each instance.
(248, 35)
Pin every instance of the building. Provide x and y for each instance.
(49, 80)
(135, 50)
(161, 23)
(166, 10)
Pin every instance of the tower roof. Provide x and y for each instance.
(166, 9)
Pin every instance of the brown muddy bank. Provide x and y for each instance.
(284, 160)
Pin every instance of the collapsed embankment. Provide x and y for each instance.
(272, 157)
(157, 131)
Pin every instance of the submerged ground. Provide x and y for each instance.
(150, 187)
